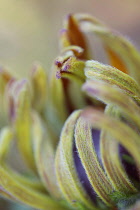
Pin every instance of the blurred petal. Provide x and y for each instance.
(116, 45)
(5, 77)
(44, 156)
(26, 195)
(116, 61)
(72, 35)
(19, 101)
(39, 86)
(18, 188)
(56, 112)
(136, 206)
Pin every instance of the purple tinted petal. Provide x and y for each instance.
(82, 175)
(130, 168)
(96, 141)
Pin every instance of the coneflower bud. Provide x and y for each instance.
(76, 130)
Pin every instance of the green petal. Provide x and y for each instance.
(121, 102)
(20, 115)
(56, 110)
(5, 77)
(26, 195)
(114, 96)
(72, 74)
(72, 35)
(44, 156)
(19, 188)
(123, 50)
(39, 87)
(97, 71)
(72, 68)
(6, 140)
(65, 167)
(113, 166)
(87, 154)
(124, 134)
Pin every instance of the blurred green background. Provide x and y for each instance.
(29, 28)
(29, 31)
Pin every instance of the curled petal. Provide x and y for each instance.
(72, 68)
(19, 188)
(6, 140)
(125, 135)
(6, 136)
(135, 206)
(65, 167)
(113, 166)
(112, 163)
(39, 87)
(114, 96)
(26, 195)
(56, 112)
(122, 53)
(97, 71)
(44, 156)
(94, 171)
(5, 78)
(19, 98)
(70, 77)
(72, 74)
(72, 35)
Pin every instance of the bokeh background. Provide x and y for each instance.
(29, 32)
(29, 28)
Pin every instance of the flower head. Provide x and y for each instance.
(77, 129)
